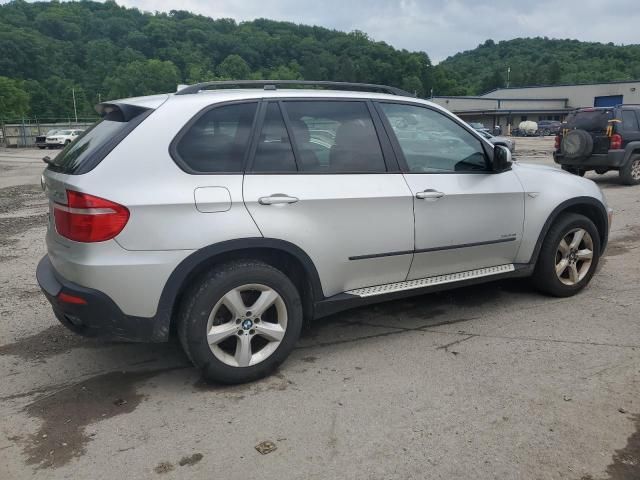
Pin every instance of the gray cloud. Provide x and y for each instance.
(440, 28)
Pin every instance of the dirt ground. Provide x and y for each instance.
(486, 382)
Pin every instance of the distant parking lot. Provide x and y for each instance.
(487, 382)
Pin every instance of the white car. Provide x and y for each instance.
(62, 138)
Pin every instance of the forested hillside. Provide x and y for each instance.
(541, 61)
(107, 51)
(104, 51)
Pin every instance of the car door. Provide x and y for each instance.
(467, 217)
(321, 179)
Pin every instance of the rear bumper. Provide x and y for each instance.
(613, 159)
(98, 315)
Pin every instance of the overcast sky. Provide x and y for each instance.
(438, 27)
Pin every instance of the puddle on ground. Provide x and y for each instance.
(626, 461)
(52, 341)
(66, 413)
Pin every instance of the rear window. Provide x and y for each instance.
(590, 120)
(92, 145)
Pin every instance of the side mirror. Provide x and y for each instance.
(501, 158)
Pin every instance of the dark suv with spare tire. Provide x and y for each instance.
(601, 139)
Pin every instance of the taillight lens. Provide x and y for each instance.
(85, 218)
(557, 143)
(616, 142)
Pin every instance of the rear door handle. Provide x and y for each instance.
(429, 195)
(277, 199)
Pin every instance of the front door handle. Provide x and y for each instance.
(276, 199)
(429, 195)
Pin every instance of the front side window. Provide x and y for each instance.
(433, 143)
(334, 137)
(218, 140)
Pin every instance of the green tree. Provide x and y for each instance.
(142, 77)
(234, 68)
(14, 100)
(413, 84)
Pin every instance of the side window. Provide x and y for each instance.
(334, 137)
(432, 142)
(217, 141)
(629, 121)
(274, 152)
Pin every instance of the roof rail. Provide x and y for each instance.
(273, 85)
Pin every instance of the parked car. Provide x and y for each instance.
(601, 139)
(479, 127)
(548, 127)
(62, 138)
(215, 213)
(41, 140)
(497, 140)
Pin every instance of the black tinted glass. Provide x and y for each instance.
(590, 120)
(274, 152)
(629, 120)
(334, 137)
(217, 141)
(96, 137)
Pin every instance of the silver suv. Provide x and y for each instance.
(231, 215)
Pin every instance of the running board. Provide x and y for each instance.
(431, 281)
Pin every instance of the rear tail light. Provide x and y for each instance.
(557, 143)
(85, 218)
(616, 142)
(66, 298)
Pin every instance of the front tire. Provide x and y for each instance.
(240, 321)
(630, 172)
(569, 256)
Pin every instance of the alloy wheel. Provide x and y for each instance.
(247, 325)
(574, 256)
(635, 169)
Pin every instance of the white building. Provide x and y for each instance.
(510, 106)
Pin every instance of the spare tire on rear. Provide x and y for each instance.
(576, 144)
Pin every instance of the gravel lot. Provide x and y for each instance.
(486, 382)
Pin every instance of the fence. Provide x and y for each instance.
(22, 133)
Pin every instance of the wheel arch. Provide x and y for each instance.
(632, 148)
(286, 256)
(590, 207)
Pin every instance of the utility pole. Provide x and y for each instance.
(431, 92)
(508, 75)
(75, 110)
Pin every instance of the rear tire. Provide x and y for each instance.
(228, 333)
(601, 171)
(630, 172)
(568, 257)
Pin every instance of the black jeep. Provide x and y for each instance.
(601, 139)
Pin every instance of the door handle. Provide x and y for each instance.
(429, 195)
(277, 199)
